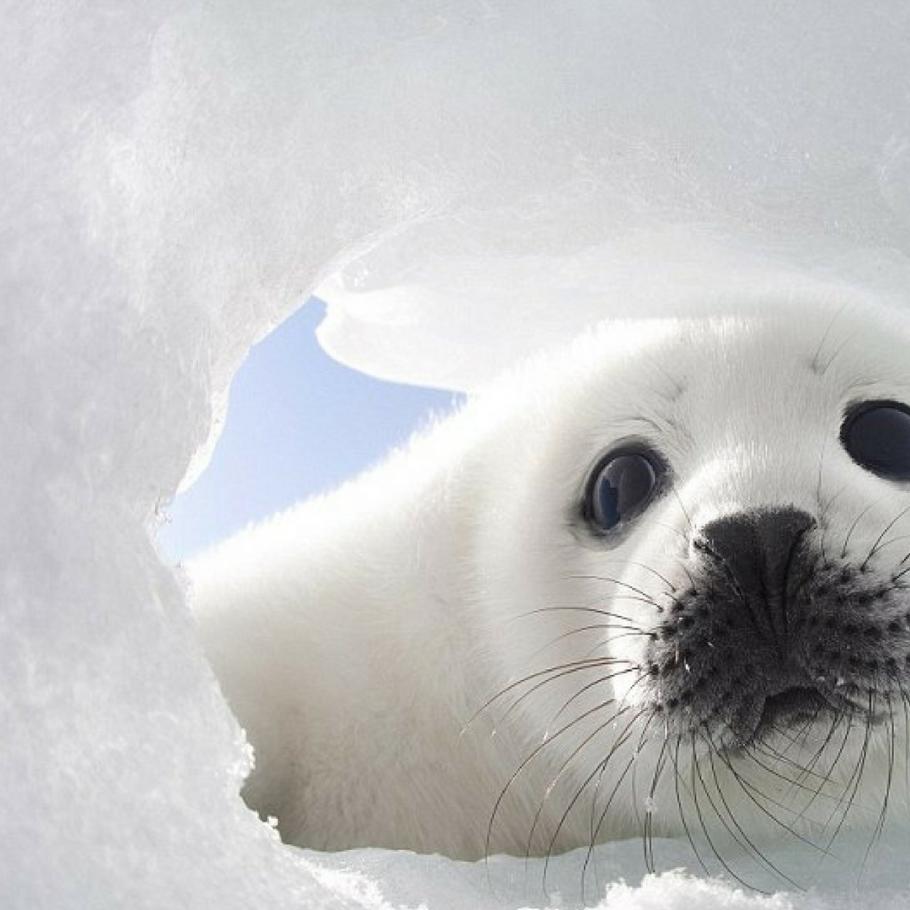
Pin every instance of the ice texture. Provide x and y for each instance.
(473, 179)
(637, 158)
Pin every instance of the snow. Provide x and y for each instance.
(621, 883)
(471, 179)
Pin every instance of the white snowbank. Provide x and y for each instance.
(620, 882)
(178, 176)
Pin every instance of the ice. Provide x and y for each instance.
(621, 882)
(473, 179)
(679, 155)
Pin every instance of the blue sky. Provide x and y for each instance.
(298, 423)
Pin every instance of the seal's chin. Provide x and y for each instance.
(791, 711)
(795, 705)
(780, 712)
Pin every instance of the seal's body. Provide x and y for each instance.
(651, 582)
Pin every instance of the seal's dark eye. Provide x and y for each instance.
(621, 488)
(876, 435)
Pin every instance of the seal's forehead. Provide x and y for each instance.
(760, 378)
(821, 353)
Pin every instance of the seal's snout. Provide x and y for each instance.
(771, 632)
(757, 548)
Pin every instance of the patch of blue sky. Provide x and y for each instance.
(298, 423)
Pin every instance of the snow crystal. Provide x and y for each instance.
(472, 179)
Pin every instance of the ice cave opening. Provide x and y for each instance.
(458, 181)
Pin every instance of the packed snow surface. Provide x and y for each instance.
(464, 182)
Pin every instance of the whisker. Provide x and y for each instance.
(599, 681)
(841, 347)
(647, 835)
(815, 758)
(854, 779)
(761, 856)
(682, 506)
(875, 547)
(643, 565)
(648, 598)
(751, 791)
(595, 829)
(591, 685)
(580, 609)
(827, 778)
(678, 531)
(904, 704)
(880, 823)
(825, 507)
(572, 667)
(852, 528)
(776, 756)
(695, 771)
(679, 805)
(589, 628)
(685, 568)
(562, 769)
(529, 758)
(618, 743)
(816, 359)
(821, 467)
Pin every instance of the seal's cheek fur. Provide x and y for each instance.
(373, 641)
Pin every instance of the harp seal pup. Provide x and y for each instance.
(646, 582)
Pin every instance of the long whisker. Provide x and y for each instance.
(623, 737)
(648, 598)
(855, 778)
(574, 608)
(827, 778)
(695, 774)
(904, 703)
(533, 754)
(595, 829)
(598, 611)
(753, 792)
(815, 758)
(758, 853)
(682, 506)
(572, 667)
(597, 682)
(816, 359)
(679, 805)
(647, 830)
(612, 796)
(577, 694)
(558, 776)
(755, 749)
(643, 565)
(602, 626)
(852, 528)
(880, 823)
(877, 545)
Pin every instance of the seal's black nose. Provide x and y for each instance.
(757, 547)
(771, 632)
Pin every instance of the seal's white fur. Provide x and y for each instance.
(356, 635)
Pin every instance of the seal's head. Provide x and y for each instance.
(702, 552)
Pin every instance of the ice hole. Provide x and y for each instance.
(298, 423)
